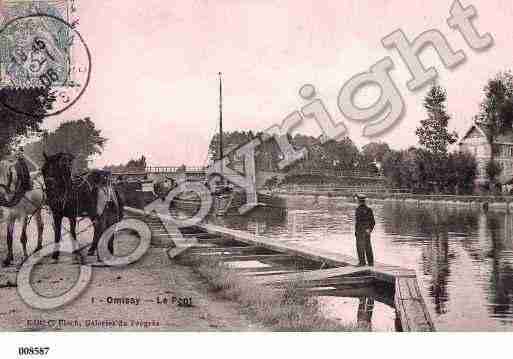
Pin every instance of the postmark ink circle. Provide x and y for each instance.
(42, 52)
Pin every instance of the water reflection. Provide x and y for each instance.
(436, 264)
(365, 310)
(501, 280)
(463, 256)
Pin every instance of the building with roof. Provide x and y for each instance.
(477, 141)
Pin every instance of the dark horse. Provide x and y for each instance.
(90, 195)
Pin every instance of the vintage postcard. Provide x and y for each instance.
(255, 166)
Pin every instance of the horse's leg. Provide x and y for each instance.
(10, 235)
(73, 231)
(110, 219)
(96, 237)
(73, 228)
(23, 237)
(57, 223)
(120, 204)
(100, 226)
(40, 230)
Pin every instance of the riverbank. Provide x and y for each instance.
(281, 309)
(502, 203)
(166, 296)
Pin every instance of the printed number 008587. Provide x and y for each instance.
(33, 351)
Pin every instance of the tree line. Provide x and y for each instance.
(133, 165)
(333, 155)
(80, 138)
(16, 126)
(429, 168)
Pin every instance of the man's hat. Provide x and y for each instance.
(360, 197)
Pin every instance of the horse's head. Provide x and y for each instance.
(57, 169)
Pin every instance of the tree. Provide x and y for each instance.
(80, 138)
(409, 169)
(428, 171)
(460, 172)
(14, 125)
(493, 170)
(230, 141)
(139, 164)
(268, 155)
(341, 155)
(132, 165)
(314, 152)
(421, 171)
(375, 151)
(401, 169)
(496, 112)
(392, 162)
(372, 156)
(433, 134)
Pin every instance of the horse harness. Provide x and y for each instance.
(82, 180)
(19, 190)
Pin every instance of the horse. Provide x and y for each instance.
(91, 195)
(21, 205)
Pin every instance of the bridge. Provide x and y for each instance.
(169, 170)
(174, 172)
(199, 173)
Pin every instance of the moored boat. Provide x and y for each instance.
(226, 203)
(227, 199)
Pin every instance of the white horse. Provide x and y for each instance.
(20, 206)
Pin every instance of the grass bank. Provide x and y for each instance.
(280, 309)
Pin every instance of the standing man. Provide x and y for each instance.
(363, 229)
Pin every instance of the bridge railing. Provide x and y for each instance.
(174, 169)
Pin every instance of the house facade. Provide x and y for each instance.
(477, 142)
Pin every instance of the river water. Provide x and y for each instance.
(463, 256)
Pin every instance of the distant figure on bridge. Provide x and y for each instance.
(364, 225)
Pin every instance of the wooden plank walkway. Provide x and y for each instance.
(341, 270)
(317, 275)
(382, 272)
(410, 307)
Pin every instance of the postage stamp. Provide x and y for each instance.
(41, 48)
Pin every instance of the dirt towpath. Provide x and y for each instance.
(153, 294)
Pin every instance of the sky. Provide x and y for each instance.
(154, 85)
